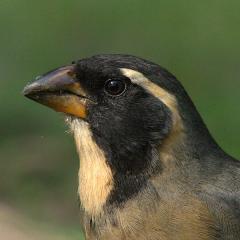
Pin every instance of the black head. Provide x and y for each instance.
(133, 107)
(126, 119)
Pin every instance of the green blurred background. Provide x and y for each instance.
(198, 41)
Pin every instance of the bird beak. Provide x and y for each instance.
(59, 90)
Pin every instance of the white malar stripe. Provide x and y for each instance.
(95, 176)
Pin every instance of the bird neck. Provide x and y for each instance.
(104, 183)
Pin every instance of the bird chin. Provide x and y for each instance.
(73, 121)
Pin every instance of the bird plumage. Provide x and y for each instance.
(149, 168)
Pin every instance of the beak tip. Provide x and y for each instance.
(30, 89)
(26, 91)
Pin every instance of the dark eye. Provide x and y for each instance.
(115, 87)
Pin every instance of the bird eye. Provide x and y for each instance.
(115, 87)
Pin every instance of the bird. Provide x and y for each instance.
(149, 167)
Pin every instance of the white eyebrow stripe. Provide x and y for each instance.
(135, 76)
(138, 78)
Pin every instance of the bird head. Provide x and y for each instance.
(137, 114)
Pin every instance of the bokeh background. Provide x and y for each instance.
(198, 41)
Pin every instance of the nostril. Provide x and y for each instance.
(71, 74)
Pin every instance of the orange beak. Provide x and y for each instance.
(59, 90)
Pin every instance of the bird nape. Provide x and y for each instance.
(149, 168)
